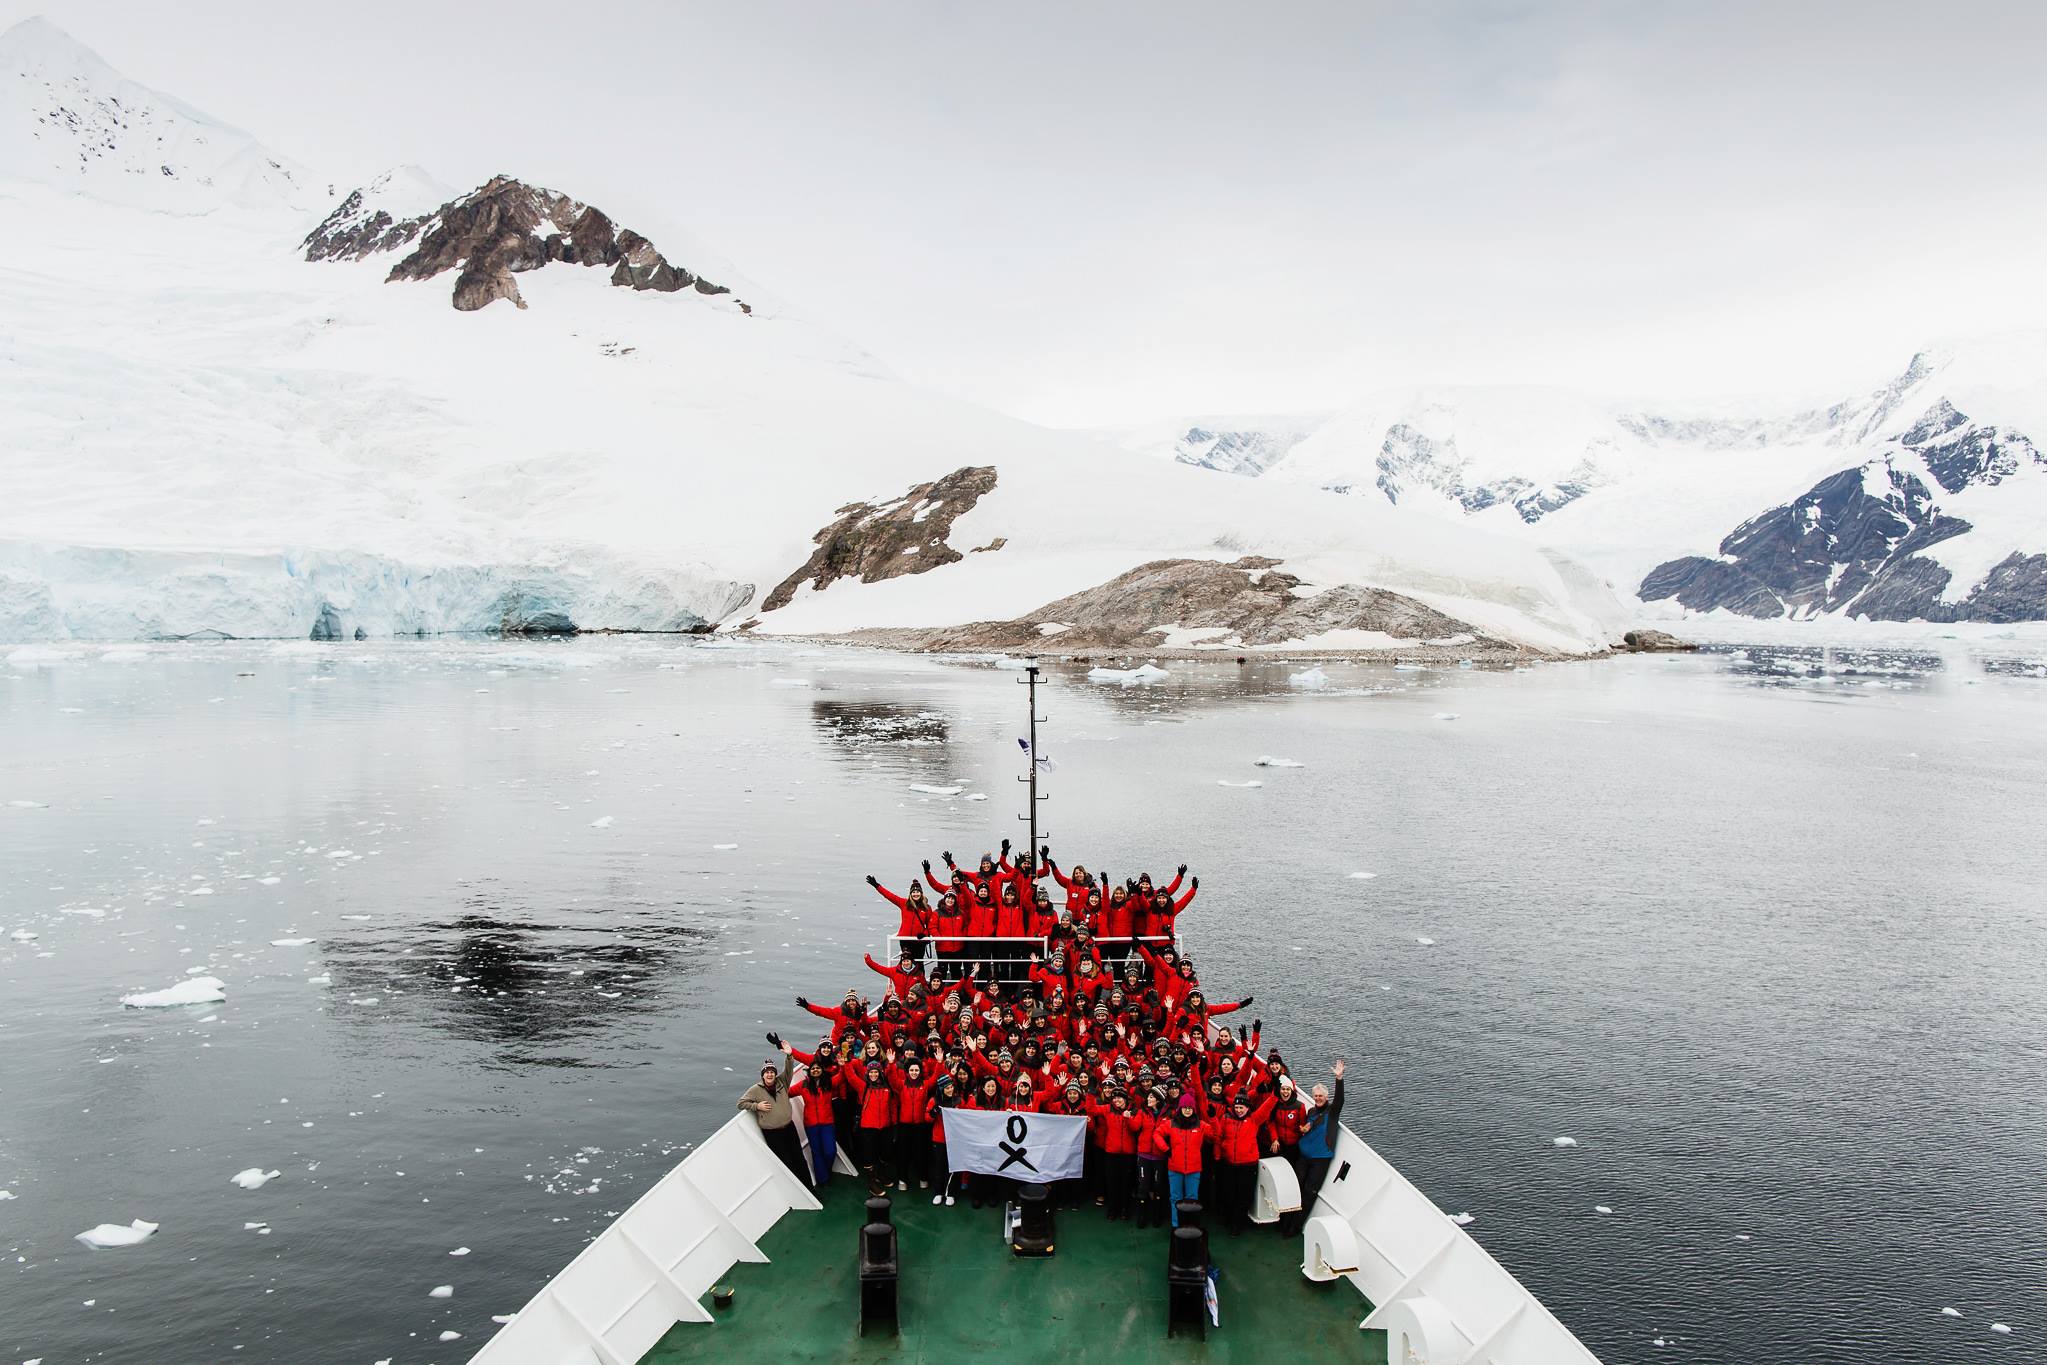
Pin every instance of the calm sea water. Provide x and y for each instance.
(1764, 934)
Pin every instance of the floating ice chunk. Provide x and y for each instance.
(1444, 715)
(1225, 782)
(1563, 1142)
(321, 980)
(268, 881)
(1950, 1312)
(193, 990)
(24, 936)
(24, 804)
(451, 1336)
(723, 848)
(975, 796)
(1463, 1220)
(441, 1291)
(1313, 678)
(604, 822)
(6, 1195)
(1408, 668)
(1601, 1208)
(460, 1251)
(254, 1227)
(289, 942)
(255, 1178)
(1362, 876)
(114, 1235)
(1142, 676)
(930, 790)
(502, 1318)
(2001, 1328)
(1424, 940)
(1268, 761)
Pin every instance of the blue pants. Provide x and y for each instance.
(1178, 1187)
(824, 1149)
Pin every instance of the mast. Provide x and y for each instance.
(1030, 815)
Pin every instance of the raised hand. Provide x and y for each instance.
(1244, 1002)
(1338, 1069)
(1257, 1026)
(1183, 869)
(1005, 845)
(1045, 852)
(947, 855)
(801, 1003)
(1195, 884)
(873, 881)
(774, 1039)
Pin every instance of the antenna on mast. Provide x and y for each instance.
(1030, 680)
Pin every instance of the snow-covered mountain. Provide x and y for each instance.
(1227, 444)
(74, 123)
(238, 412)
(1917, 500)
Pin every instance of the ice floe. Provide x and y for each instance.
(1563, 1142)
(1312, 678)
(927, 789)
(1142, 676)
(289, 942)
(451, 1336)
(460, 1251)
(1601, 1208)
(1225, 782)
(193, 990)
(441, 1291)
(255, 1178)
(1362, 876)
(604, 822)
(1444, 715)
(2001, 1328)
(1268, 761)
(723, 848)
(6, 1195)
(1463, 1220)
(1950, 1312)
(115, 1235)
(1424, 940)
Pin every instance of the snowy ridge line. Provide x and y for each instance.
(82, 592)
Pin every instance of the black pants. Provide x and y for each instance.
(1314, 1170)
(784, 1143)
(846, 1123)
(1290, 1223)
(1151, 1193)
(877, 1158)
(1239, 1181)
(1119, 1179)
(913, 1151)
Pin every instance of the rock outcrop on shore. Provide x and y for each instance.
(1200, 605)
(1655, 642)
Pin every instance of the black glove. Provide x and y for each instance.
(927, 867)
(1257, 1026)
(1045, 852)
(1183, 869)
(947, 855)
(801, 1003)
(1244, 1003)
(774, 1039)
(1242, 1036)
(1195, 884)
(1005, 845)
(874, 882)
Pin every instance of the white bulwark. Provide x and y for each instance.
(1442, 1299)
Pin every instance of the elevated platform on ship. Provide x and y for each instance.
(965, 1296)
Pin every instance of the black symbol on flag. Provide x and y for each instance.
(1018, 1131)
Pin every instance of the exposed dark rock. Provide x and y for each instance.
(361, 634)
(1656, 642)
(328, 624)
(906, 536)
(497, 231)
(1248, 602)
(1409, 459)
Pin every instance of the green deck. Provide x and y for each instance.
(964, 1296)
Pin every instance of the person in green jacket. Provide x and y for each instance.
(768, 1102)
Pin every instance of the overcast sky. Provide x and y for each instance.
(1101, 213)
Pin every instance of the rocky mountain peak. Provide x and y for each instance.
(488, 236)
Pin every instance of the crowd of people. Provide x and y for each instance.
(1101, 1017)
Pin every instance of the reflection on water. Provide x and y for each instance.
(501, 933)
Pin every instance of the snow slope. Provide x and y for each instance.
(203, 431)
(70, 121)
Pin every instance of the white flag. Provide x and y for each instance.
(1031, 1147)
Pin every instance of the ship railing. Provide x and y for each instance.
(946, 957)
